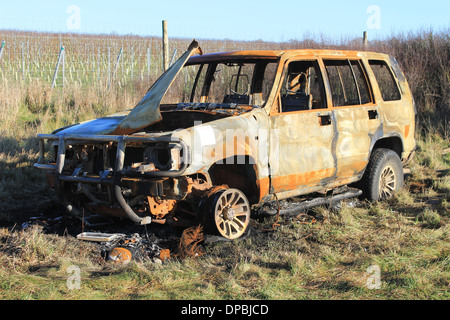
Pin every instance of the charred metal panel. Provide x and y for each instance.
(359, 128)
(302, 150)
(216, 141)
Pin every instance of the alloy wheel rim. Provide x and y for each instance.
(387, 183)
(232, 214)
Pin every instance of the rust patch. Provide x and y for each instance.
(295, 181)
(164, 254)
(160, 208)
(406, 130)
(263, 186)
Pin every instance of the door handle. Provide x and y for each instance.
(373, 114)
(324, 119)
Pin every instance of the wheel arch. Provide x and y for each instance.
(239, 172)
(394, 143)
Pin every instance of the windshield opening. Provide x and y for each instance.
(232, 82)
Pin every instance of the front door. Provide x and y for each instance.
(302, 132)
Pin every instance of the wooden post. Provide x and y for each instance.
(165, 45)
(365, 39)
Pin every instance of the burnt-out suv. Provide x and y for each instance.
(219, 135)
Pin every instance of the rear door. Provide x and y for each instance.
(358, 120)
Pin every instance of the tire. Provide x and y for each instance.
(227, 213)
(383, 176)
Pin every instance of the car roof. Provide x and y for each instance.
(286, 54)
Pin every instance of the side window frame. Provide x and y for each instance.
(392, 75)
(365, 78)
(322, 84)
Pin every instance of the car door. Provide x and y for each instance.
(302, 132)
(358, 120)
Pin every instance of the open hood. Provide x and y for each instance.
(147, 112)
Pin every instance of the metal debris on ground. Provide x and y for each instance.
(43, 221)
(122, 248)
(304, 218)
(99, 237)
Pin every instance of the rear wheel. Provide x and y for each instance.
(227, 213)
(383, 176)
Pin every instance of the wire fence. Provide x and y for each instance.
(101, 60)
(92, 60)
(85, 59)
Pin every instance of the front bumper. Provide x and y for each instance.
(108, 177)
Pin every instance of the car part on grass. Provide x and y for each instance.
(100, 237)
(120, 255)
(122, 248)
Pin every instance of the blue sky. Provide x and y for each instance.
(231, 19)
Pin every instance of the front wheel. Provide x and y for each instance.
(383, 176)
(228, 213)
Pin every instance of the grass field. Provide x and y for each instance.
(326, 254)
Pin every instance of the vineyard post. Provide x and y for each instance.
(165, 45)
(109, 66)
(148, 61)
(1, 49)
(23, 64)
(98, 66)
(132, 62)
(173, 57)
(116, 65)
(63, 66)
(55, 75)
(93, 62)
(1, 53)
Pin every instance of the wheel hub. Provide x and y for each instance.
(228, 213)
(231, 213)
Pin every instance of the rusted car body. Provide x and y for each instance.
(241, 129)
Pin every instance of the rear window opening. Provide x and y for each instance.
(386, 81)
